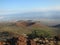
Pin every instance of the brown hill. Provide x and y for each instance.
(30, 23)
(24, 23)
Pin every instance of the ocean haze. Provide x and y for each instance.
(48, 17)
(33, 15)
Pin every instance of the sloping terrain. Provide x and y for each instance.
(20, 27)
(57, 26)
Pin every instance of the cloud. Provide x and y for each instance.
(11, 11)
(6, 12)
(1, 17)
(51, 8)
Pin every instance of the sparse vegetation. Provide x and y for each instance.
(39, 33)
(20, 27)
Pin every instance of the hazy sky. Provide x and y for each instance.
(8, 7)
(27, 4)
(18, 6)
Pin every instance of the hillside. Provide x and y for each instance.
(27, 27)
(57, 26)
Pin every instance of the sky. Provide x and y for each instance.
(21, 6)
(27, 4)
(10, 7)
